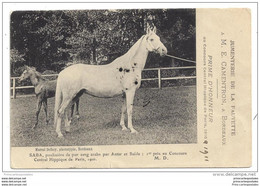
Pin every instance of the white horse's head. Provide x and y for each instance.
(153, 42)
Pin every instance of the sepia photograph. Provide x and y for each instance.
(95, 93)
(103, 77)
(130, 88)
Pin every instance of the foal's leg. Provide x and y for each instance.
(45, 109)
(129, 104)
(75, 103)
(123, 111)
(38, 109)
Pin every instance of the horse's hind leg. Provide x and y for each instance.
(61, 111)
(63, 106)
(76, 104)
(45, 109)
(58, 131)
(123, 111)
(38, 109)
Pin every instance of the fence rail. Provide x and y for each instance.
(159, 79)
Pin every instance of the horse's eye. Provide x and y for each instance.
(151, 39)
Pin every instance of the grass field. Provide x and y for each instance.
(169, 118)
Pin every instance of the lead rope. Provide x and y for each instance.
(191, 61)
(147, 99)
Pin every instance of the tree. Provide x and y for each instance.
(50, 39)
(16, 60)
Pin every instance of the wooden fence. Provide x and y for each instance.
(159, 78)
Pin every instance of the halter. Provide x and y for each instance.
(152, 47)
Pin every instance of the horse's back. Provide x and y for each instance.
(76, 73)
(97, 80)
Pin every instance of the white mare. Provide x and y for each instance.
(122, 76)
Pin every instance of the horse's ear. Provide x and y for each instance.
(154, 29)
(26, 67)
(148, 29)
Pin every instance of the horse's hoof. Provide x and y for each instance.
(77, 116)
(133, 131)
(60, 136)
(124, 129)
(67, 132)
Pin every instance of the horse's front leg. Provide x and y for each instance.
(123, 111)
(45, 109)
(38, 108)
(67, 122)
(129, 104)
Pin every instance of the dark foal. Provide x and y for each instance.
(43, 89)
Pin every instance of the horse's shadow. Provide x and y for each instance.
(111, 124)
(95, 127)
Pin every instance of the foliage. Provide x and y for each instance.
(16, 56)
(16, 59)
(49, 40)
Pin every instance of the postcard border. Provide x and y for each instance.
(112, 170)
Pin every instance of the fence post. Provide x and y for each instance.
(159, 78)
(14, 95)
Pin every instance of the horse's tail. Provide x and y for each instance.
(58, 99)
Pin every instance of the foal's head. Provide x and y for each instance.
(27, 73)
(153, 42)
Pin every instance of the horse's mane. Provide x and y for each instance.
(131, 52)
(38, 75)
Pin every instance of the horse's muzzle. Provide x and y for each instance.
(163, 51)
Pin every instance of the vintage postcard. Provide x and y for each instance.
(130, 88)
